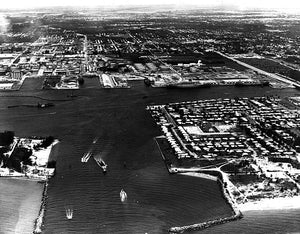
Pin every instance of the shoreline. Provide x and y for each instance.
(277, 203)
(35, 219)
(200, 175)
(226, 193)
(226, 187)
(39, 221)
(236, 213)
(21, 199)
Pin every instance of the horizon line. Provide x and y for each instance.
(187, 5)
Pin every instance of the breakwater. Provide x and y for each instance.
(39, 221)
(205, 225)
(237, 214)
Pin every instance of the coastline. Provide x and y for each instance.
(200, 175)
(23, 198)
(30, 210)
(277, 203)
(236, 212)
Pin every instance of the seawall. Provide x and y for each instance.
(210, 174)
(237, 214)
(39, 221)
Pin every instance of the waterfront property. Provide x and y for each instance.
(253, 142)
(26, 157)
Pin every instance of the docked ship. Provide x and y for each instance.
(101, 164)
(242, 83)
(123, 195)
(188, 84)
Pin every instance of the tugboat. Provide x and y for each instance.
(101, 164)
(123, 196)
(95, 140)
(69, 214)
(44, 105)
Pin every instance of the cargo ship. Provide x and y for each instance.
(189, 84)
(241, 83)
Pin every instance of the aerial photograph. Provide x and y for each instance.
(150, 117)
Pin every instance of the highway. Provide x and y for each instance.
(271, 75)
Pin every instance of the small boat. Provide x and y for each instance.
(123, 196)
(44, 105)
(101, 164)
(86, 157)
(69, 214)
(95, 140)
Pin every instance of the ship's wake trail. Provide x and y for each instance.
(69, 213)
(100, 162)
(86, 156)
(95, 140)
(123, 196)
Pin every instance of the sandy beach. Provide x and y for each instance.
(279, 203)
(20, 203)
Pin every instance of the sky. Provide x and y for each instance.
(240, 4)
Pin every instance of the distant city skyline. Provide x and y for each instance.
(238, 4)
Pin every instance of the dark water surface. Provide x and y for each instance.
(125, 131)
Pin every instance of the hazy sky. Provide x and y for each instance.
(242, 4)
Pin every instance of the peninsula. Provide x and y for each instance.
(250, 145)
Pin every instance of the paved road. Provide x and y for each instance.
(271, 75)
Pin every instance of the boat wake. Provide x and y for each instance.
(123, 196)
(100, 162)
(86, 157)
(69, 214)
(95, 140)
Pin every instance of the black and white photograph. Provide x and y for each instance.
(150, 117)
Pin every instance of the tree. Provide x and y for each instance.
(6, 138)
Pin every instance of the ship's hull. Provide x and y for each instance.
(188, 85)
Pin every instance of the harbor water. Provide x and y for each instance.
(124, 131)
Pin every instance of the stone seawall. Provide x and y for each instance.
(40, 219)
(237, 214)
